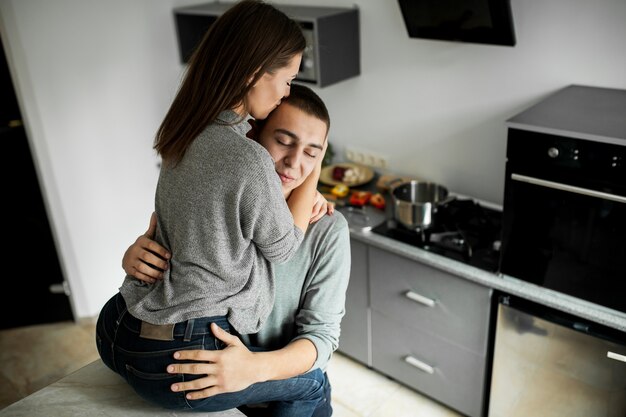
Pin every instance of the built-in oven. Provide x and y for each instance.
(564, 215)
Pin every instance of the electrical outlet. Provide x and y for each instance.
(354, 155)
(365, 157)
(380, 162)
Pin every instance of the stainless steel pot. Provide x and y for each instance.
(415, 202)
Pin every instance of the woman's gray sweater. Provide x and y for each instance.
(223, 216)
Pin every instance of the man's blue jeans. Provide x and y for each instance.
(142, 362)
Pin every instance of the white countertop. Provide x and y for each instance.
(507, 284)
(94, 390)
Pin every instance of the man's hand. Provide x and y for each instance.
(228, 370)
(145, 259)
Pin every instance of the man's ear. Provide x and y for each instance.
(253, 133)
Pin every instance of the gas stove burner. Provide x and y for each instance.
(462, 230)
(451, 240)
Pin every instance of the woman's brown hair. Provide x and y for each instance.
(248, 40)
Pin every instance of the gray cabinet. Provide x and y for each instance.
(431, 365)
(428, 299)
(333, 51)
(355, 325)
(429, 330)
(419, 325)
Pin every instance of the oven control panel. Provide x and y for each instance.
(533, 151)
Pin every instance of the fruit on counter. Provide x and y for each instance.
(349, 175)
(377, 200)
(360, 198)
(338, 173)
(355, 175)
(340, 190)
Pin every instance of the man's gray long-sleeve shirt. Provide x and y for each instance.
(223, 216)
(311, 292)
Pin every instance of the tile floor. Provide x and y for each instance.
(35, 356)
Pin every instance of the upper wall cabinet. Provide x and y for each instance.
(333, 50)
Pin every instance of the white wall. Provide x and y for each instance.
(95, 79)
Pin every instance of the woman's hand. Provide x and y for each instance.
(321, 207)
(228, 370)
(146, 259)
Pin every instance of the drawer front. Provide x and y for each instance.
(434, 367)
(430, 300)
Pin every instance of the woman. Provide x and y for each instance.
(222, 215)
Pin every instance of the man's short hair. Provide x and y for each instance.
(305, 99)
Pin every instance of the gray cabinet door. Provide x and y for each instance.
(430, 300)
(433, 366)
(355, 327)
(429, 329)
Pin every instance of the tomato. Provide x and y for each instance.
(378, 201)
(360, 198)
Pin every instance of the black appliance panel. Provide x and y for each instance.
(564, 220)
(595, 165)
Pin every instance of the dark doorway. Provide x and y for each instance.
(31, 265)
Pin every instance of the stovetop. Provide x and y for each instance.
(463, 230)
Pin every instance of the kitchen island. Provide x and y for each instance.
(93, 390)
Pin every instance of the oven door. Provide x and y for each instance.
(549, 363)
(566, 237)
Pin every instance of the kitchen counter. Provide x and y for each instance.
(93, 390)
(504, 283)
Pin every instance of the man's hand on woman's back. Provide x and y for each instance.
(146, 259)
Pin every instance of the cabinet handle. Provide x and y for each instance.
(429, 302)
(616, 356)
(419, 365)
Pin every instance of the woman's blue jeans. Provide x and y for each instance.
(142, 362)
(324, 407)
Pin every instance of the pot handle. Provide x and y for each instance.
(447, 200)
(443, 203)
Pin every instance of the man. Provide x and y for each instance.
(303, 329)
